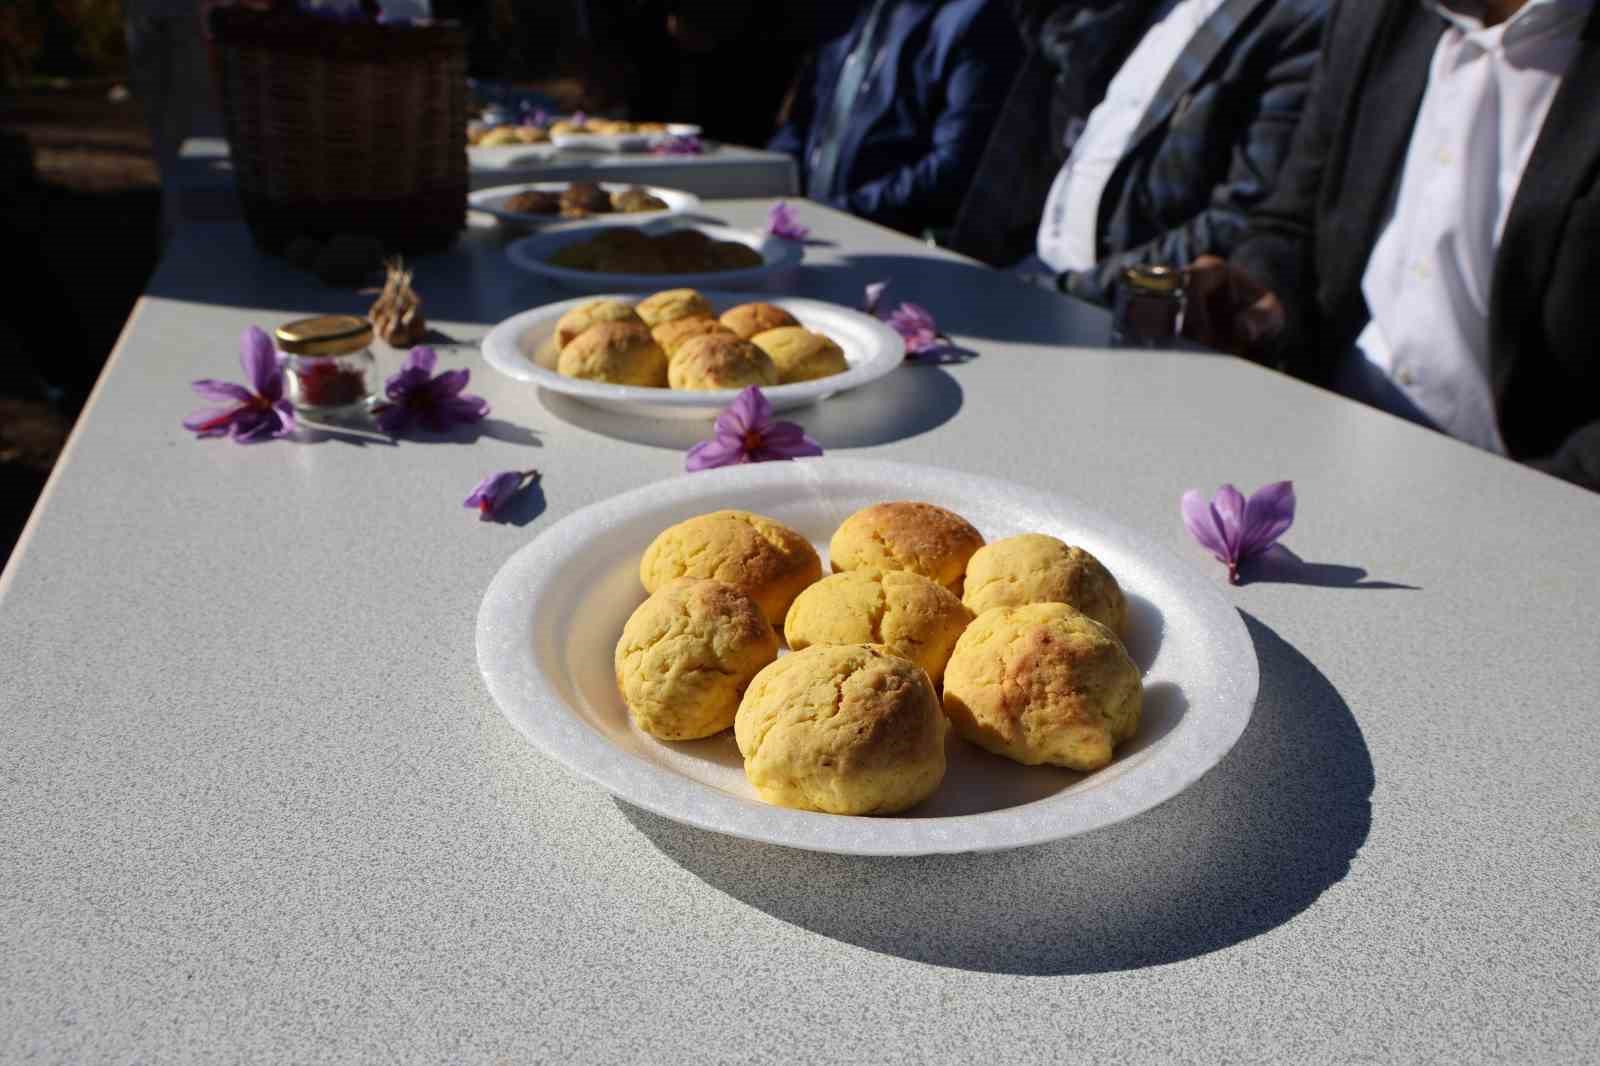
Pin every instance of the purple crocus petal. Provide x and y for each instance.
(733, 423)
(1200, 521)
(781, 222)
(1227, 511)
(718, 451)
(421, 358)
(404, 382)
(678, 145)
(749, 412)
(391, 418)
(785, 440)
(260, 362)
(254, 424)
(580, 119)
(1268, 514)
(221, 391)
(459, 409)
(286, 423)
(213, 421)
(875, 292)
(449, 383)
(493, 491)
(915, 324)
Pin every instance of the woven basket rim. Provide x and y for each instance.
(300, 34)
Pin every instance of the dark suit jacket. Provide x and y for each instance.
(922, 116)
(1205, 153)
(1311, 240)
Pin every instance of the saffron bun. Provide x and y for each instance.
(686, 656)
(1043, 683)
(842, 729)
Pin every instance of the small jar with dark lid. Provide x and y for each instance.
(1149, 307)
(326, 363)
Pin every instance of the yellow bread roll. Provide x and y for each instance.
(687, 655)
(912, 616)
(763, 557)
(905, 535)
(622, 353)
(720, 361)
(801, 355)
(749, 319)
(671, 305)
(680, 331)
(1043, 684)
(548, 354)
(570, 325)
(843, 730)
(1035, 568)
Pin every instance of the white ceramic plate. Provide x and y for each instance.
(492, 201)
(622, 142)
(484, 158)
(870, 347)
(552, 615)
(778, 258)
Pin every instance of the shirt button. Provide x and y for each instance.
(1405, 377)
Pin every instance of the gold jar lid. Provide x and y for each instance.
(324, 335)
(1153, 277)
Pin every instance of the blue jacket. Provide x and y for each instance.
(924, 111)
(1205, 154)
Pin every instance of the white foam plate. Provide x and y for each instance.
(870, 347)
(484, 158)
(551, 617)
(778, 258)
(492, 201)
(622, 142)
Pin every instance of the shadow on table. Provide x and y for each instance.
(966, 299)
(363, 432)
(528, 503)
(219, 265)
(1281, 566)
(1244, 850)
(906, 403)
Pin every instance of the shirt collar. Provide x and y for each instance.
(1536, 16)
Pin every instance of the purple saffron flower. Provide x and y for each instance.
(250, 414)
(579, 119)
(415, 395)
(1235, 529)
(493, 492)
(875, 293)
(781, 222)
(538, 116)
(746, 433)
(915, 324)
(678, 144)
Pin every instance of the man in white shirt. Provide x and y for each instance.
(1139, 131)
(1435, 234)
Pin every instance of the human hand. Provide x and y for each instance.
(1229, 310)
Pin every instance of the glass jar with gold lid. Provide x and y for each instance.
(327, 363)
(1148, 311)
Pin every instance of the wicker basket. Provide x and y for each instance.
(345, 127)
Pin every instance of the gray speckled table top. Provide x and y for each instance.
(257, 806)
